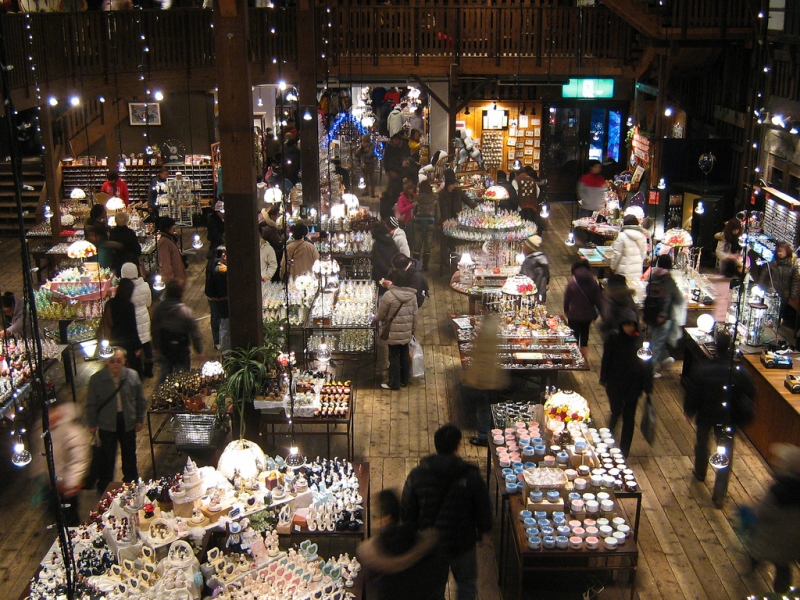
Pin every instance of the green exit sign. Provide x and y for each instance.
(588, 88)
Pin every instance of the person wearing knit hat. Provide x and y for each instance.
(142, 298)
(536, 266)
(452, 198)
(215, 226)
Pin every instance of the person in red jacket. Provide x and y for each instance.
(116, 187)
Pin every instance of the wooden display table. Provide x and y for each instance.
(547, 369)
(777, 409)
(334, 425)
(624, 558)
(474, 295)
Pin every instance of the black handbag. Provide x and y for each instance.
(649, 420)
(93, 475)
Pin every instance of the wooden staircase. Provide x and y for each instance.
(32, 177)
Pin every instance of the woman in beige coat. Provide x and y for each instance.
(300, 254)
(170, 261)
(398, 311)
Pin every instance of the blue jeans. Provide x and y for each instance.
(659, 334)
(464, 568)
(219, 311)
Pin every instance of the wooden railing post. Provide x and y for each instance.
(457, 40)
(498, 35)
(415, 33)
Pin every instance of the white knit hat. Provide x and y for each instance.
(129, 271)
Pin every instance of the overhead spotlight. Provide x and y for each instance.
(53, 101)
(570, 241)
(700, 209)
(74, 100)
(668, 111)
(644, 352)
(630, 122)
(778, 121)
(307, 115)
(260, 102)
(282, 85)
(516, 165)
(158, 95)
(101, 99)
(662, 184)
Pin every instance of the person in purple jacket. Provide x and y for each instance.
(582, 301)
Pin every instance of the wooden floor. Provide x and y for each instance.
(688, 548)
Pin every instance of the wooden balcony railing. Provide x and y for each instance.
(76, 45)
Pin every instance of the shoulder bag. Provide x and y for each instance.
(387, 324)
(580, 289)
(649, 420)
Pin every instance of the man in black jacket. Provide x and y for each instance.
(124, 243)
(449, 494)
(705, 394)
(217, 295)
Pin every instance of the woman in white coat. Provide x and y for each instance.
(630, 250)
(142, 299)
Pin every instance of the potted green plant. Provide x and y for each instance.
(246, 374)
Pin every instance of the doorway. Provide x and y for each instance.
(573, 135)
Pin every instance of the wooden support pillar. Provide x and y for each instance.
(109, 128)
(50, 161)
(307, 93)
(452, 111)
(236, 148)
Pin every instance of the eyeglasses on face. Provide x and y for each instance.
(115, 361)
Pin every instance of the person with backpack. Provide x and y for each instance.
(174, 329)
(449, 494)
(617, 298)
(536, 266)
(705, 395)
(663, 297)
(629, 250)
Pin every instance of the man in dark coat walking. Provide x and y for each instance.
(449, 494)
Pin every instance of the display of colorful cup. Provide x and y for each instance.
(579, 483)
(540, 514)
(610, 543)
(529, 465)
(563, 530)
(559, 514)
(498, 440)
(528, 451)
(525, 514)
(592, 507)
(620, 537)
(543, 522)
(549, 461)
(540, 449)
(571, 474)
(624, 529)
(534, 542)
(560, 521)
(536, 496)
(575, 543)
(547, 531)
(591, 530)
(553, 495)
(529, 531)
(589, 523)
(606, 530)
(549, 542)
(562, 542)
(579, 532)
(607, 506)
(574, 523)
(592, 543)
(584, 471)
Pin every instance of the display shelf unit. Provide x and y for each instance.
(92, 177)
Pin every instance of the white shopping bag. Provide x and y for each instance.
(417, 358)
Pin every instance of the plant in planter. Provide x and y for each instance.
(246, 374)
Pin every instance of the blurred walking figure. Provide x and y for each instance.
(776, 535)
(617, 299)
(662, 300)
(625, 377)
(395, 559)
(483, 377)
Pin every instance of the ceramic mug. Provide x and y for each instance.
(562, 542)
(525, 514)
(534, 542)
(549, 542)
